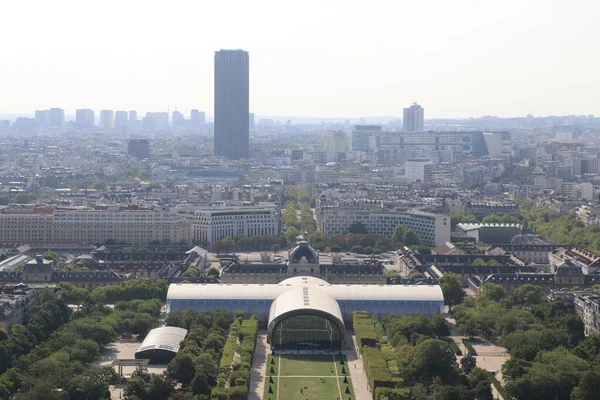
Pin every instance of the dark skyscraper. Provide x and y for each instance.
(232, 104)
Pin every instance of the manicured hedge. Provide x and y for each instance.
(470, 348)
(376, 368)
(501, 389)
(453, 345)
(366, 333)
(237, 375)
(382, 393)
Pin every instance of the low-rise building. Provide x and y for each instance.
(490, 233)
(304, 261)
(482, 209)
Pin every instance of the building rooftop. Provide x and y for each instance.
(470, 226)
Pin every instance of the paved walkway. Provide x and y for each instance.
(259, 368)
(490, 357)
(357, 371)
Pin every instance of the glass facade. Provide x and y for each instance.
(261, 307)
(306, 331)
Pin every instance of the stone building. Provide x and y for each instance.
(304, 261)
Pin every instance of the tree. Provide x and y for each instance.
(451, 285)
(491, 219)
(214, 272)
(528, 295)
(416, 274)
(335, 248)
(191, 272)
(358, 249)
(493, 291)
(182, 368)
(479, 262)
(224, 245)
(357, 227)
(589, 386)
(47, 294)
(434, 359)
(481, 384)
(72, 294)
(50, 255)
(200, 384)
(410, 238)
(275, 248)
(493, 263)
(398, 234)
(467, 363)
(94, 384)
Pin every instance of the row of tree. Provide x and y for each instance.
(195, 372)
(550, 356)
(566, 229)
(406, 360)
(48, 316)
(47, 358)
(252, 243)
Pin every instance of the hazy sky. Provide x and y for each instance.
(307, 58)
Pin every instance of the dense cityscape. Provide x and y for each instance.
(173, 254)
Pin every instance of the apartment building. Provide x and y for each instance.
(17, 303)
(209, 224)
(133, 225)
(433, 229)
(587, 305)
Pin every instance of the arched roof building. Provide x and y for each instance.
(305, 306)
(161, 344)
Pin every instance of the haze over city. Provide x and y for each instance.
(252, 200)
(321, 59)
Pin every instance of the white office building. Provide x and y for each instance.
(419, 169)
(433, 229)
(209, 224)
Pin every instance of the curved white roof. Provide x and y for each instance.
(303, 281)
(305, 298)
(211, 291)
(163, 338)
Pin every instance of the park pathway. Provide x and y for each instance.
(259, 368)
(357, 371)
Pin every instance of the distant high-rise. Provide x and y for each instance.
(42, 117)
(84, 118)
(232, 104)
(57, 117)
(177, 119)
(121, 119)
(107, 119)
(413, 118)
(197, 118)
(251, 120)
(132, 115)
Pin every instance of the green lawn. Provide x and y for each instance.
(317, 378)
(311, 365)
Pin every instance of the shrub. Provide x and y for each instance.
(470, 348)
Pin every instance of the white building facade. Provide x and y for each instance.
(209, 224)
(433, 229)
(130, 225)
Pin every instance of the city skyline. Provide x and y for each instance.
(465, 61)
